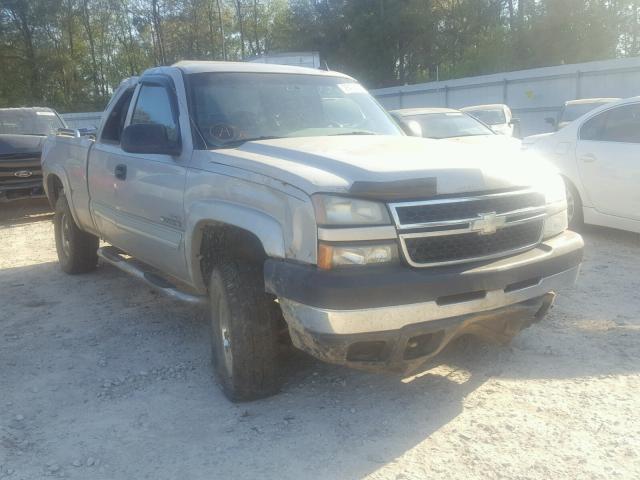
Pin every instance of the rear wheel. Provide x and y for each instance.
(574, 206)
(244, 331)
(77, 250)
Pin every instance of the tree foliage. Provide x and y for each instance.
(70, 54)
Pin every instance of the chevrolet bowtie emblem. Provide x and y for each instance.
(488, 223)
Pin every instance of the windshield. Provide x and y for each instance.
(448, 125)
(573, 111)
(231, 108)
(490, 117)
(29, 122)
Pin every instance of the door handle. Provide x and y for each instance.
(588, 158)
(121, 172)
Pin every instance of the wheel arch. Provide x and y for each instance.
(53, 186)
(220, 228)
(56, 182)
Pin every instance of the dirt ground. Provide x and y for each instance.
(100, 378)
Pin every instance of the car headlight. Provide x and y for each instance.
(344, 255)
(555, 224)
(342, 211)
(553, 189)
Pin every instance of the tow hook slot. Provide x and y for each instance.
(514, 287)
(461, 297)
(374, 351)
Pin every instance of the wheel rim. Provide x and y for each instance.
(65, 230)
(571, 204)
(224, 333)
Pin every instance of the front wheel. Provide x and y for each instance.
(77, 250)
(244, 331)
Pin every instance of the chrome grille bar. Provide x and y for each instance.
(483, 223)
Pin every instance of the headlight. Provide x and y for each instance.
(555, 224)
(333, 210)
(339, 255)
(555, 196)
(552, 186)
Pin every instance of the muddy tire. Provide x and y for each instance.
(244, 333)
(575, 214)
(77, 250)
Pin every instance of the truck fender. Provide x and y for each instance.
(266, 228)
(58, 171)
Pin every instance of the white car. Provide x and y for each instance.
(498, 116)
(451, 125)
(599, 157)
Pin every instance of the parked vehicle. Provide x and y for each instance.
(451, 125)
(574, 109)
(497, 116)
(598, 156)
(288, 201)
(22, 133)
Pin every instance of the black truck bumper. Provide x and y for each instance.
(397, 318)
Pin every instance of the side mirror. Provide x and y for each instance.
(551, 121)
(149, 138)
(514, 122)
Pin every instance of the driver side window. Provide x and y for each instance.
(154, 106)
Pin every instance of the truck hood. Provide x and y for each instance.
(387, 167)
(20, 144)
(488, 140)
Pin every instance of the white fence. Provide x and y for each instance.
(80, 120)
(532, 95)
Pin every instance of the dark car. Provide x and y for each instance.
(22, 134)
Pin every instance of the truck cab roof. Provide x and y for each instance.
(196, 66)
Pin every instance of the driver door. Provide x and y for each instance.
(150, 187)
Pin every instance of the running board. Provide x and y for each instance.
(114, 256)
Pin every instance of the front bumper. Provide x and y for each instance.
(398, 317)
(31, 189)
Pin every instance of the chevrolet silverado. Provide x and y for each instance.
(290, 204)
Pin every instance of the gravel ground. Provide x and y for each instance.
(100, 378)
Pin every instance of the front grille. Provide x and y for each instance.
(454, 209)
(11, 165)
(470, 246)
(445, 231)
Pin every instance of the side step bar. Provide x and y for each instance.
(114, 256)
